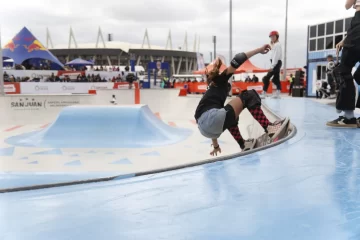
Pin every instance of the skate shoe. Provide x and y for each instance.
(332, 96)
(343, 122)
(276, 95)
(248, 145)
(274, 127)
(263, 95)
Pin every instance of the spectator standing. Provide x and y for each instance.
(255, 79)
(291, 79)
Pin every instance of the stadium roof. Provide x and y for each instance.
(125, 46)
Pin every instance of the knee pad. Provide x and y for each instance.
(250, 99)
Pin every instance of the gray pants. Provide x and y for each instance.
(211, 123)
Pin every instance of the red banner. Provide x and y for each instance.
(71, 74)
(121, 85)
(12, 88)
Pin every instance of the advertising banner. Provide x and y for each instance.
(103, 74)
(43, 75)
(12, 88)
(121, 85)
(71, 74)
(62, 88)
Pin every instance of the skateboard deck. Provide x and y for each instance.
(283, 131)
(263, 140)
(357, 125)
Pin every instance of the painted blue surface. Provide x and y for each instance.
(18, 179)
(34, 162)
(73, 163)
(307, 188)
(49, 152)
(122, 161)
(7, 151)
(103, 127)
(151, 154)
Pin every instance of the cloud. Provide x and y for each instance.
(127, 21)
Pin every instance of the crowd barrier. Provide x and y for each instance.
(237, 87)
(83, 88)
(44, 74)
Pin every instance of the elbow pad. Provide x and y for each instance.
(238, 60)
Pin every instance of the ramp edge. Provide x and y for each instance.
(160, 170)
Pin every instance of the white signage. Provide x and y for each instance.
(61, 88)
(9, 88)
(43, 75)
(256, 88)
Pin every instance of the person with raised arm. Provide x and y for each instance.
(213, 117)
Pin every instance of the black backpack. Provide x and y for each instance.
(130, 77)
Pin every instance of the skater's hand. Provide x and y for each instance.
(215, 151)
(265, 49)
(339, 46)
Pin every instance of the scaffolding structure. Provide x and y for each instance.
(181, 60)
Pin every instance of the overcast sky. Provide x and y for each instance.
(127, 20)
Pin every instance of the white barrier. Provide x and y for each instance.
(42, 74)
(61, 88)
(31, 109)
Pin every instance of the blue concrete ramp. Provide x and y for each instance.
(103, 127)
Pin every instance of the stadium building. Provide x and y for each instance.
(322, 40)
(182, 60)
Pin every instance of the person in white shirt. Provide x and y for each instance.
(350, 56)
(276, 63)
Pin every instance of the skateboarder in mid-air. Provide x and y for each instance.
(214, 118)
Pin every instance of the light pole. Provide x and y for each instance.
(214, 41)
(2, 89)
(230, 42)
(286, 29)
(230, 32)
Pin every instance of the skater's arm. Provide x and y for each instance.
(215, 143)
(216, 147)
(349, 4)
(276, 57)
(240, 58)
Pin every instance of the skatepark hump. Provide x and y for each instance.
(103, 127)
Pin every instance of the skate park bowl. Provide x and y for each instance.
(46, 144)
(120, 127)
(304, 188)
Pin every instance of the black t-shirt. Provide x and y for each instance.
(215, 96)
(130, 77)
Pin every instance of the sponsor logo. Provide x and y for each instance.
(41, 88)
(60, 104)
(36, 104)
(35, 46)
(27, 104)
(41, 76)
(68, 88)
(11, 46)
(9, 88)
(123, 86)
(100, 87)
(202, 87)
(256, 88)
